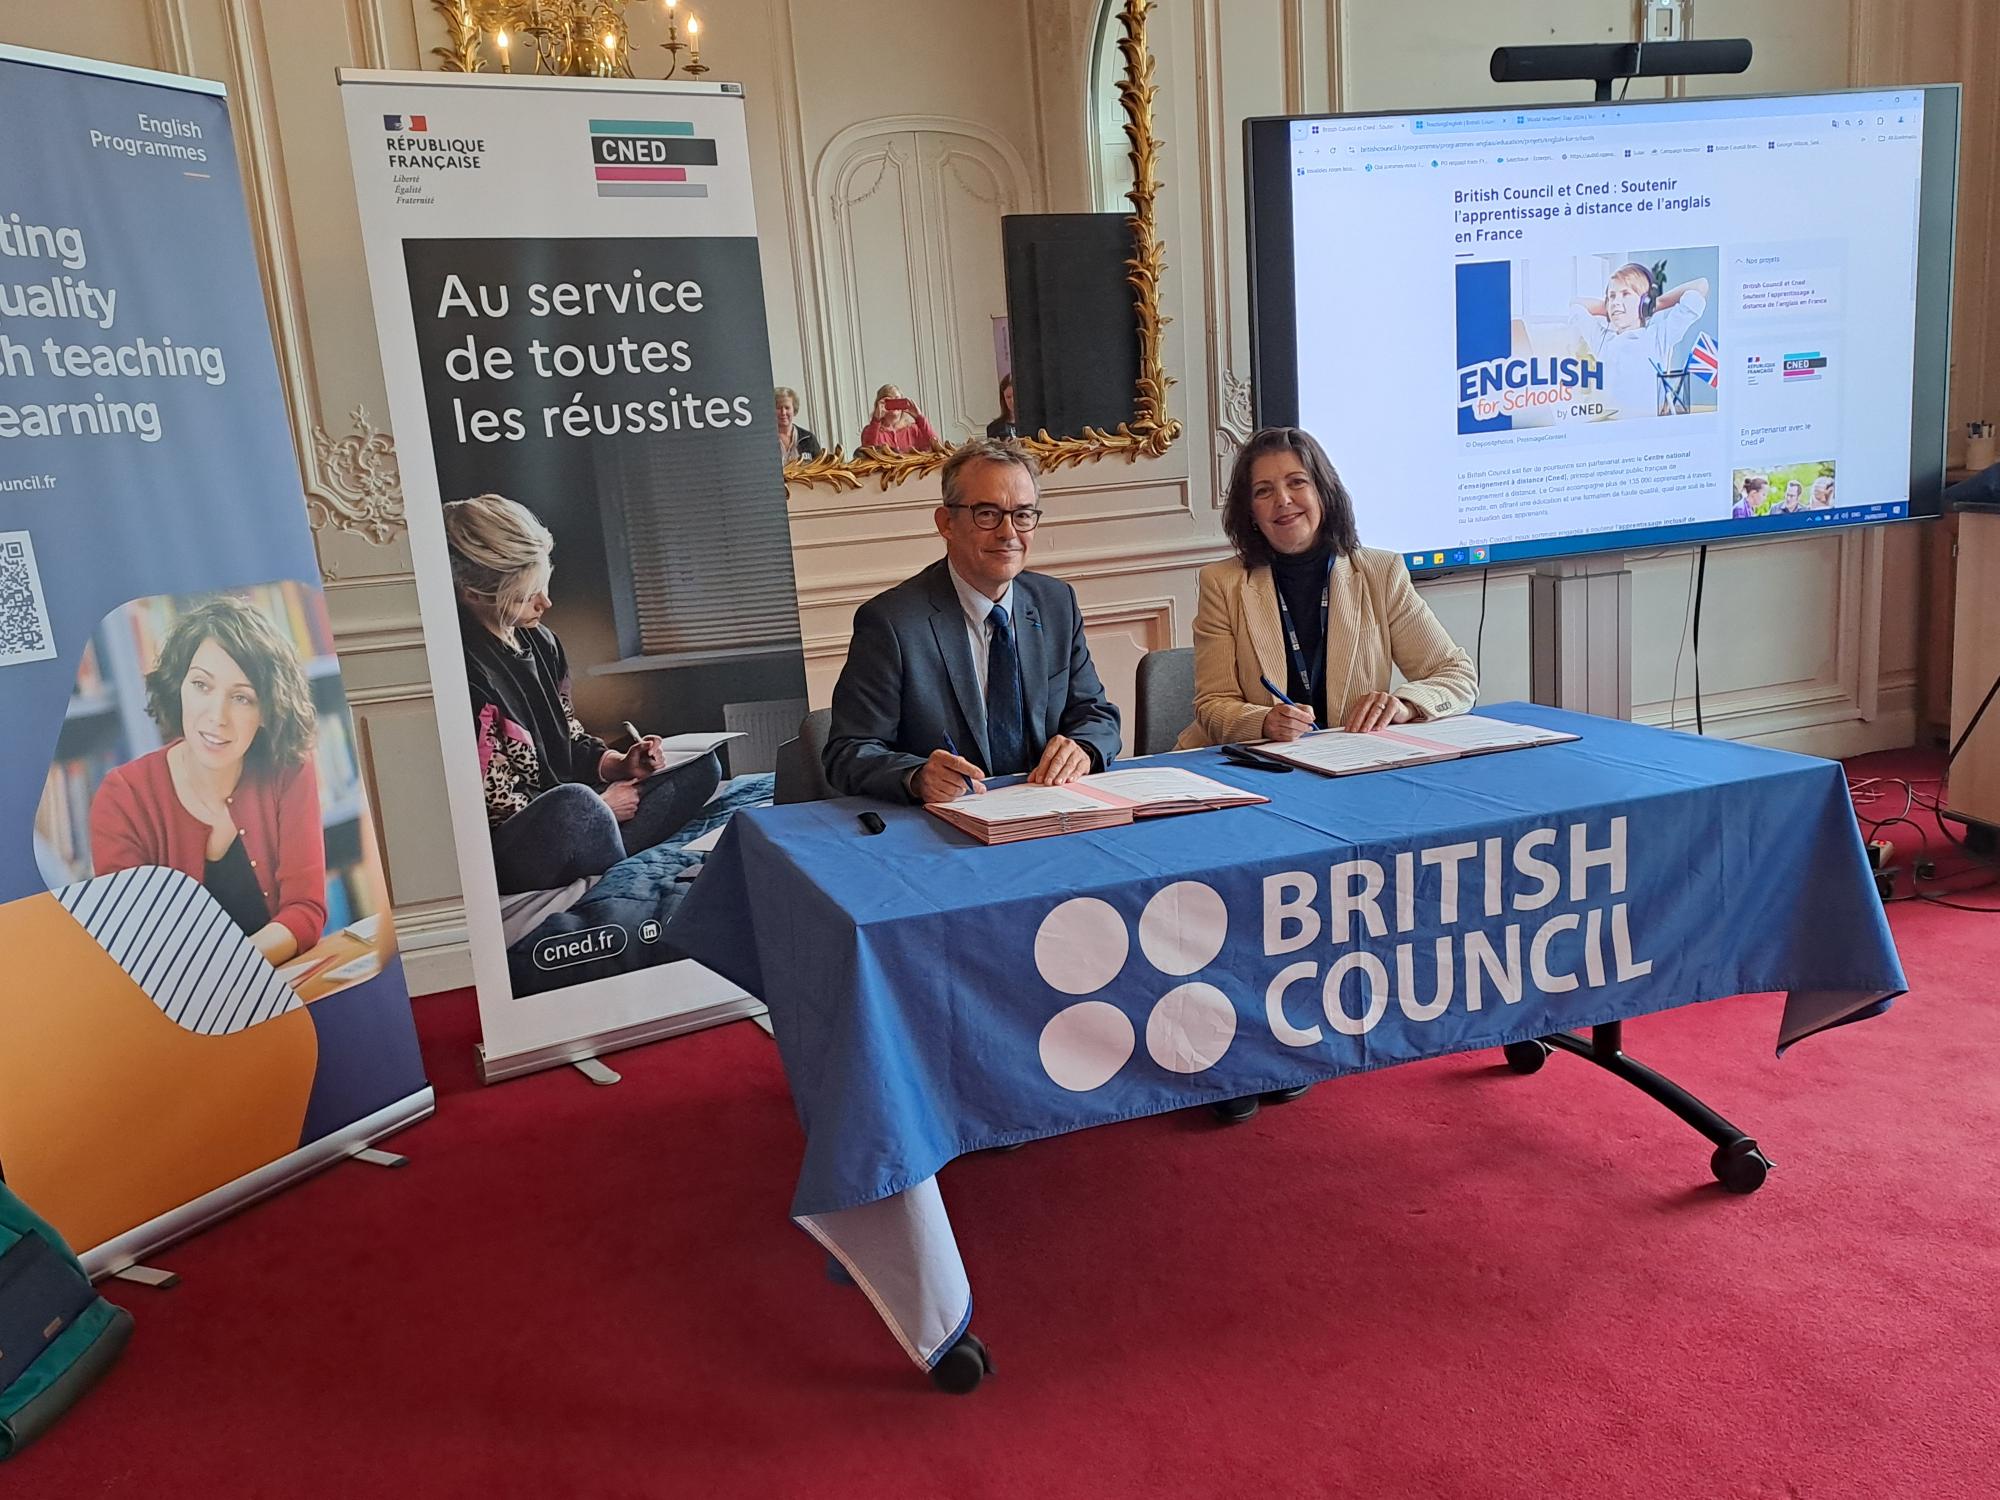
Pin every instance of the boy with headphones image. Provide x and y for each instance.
(1634, 330)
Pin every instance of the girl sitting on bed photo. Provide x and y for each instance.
(560, 803)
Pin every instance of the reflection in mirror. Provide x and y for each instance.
(912, 276)
(1110, 150)
(985, 245)
(795, 441)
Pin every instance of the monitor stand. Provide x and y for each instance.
(1580, 635)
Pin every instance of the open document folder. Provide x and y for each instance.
(1105, 800)
(1335, 752)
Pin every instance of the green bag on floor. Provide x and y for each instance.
(57, 1336)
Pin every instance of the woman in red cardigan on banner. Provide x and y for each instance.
(231, 800)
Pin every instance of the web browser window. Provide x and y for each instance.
(1647, 319)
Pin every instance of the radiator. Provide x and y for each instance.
(765, 726)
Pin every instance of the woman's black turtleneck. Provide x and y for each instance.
(1300, 579)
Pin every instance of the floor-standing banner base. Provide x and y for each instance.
(201, 998)
(571, 312)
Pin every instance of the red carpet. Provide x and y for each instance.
(1439, 1280)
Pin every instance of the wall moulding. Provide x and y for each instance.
(389, 693)
(268, 190)
(365, 501)
(858, 589)
(167, 20)
(1161, 611)
(1756, 713)
(806, 505)
(373, 607)
(377, 641)
(917, 533)
(361, 489)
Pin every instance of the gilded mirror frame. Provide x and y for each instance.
(1150, 432)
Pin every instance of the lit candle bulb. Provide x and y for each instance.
(506, 57)
(694, 38)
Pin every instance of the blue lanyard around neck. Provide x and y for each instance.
(1307, 677)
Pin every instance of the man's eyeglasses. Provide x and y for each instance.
(987, 517)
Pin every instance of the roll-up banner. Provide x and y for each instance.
(571, 314)
(200, 996)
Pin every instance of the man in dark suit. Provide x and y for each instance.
(973, 667)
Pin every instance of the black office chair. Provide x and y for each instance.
(801, 768)
(1165, 690)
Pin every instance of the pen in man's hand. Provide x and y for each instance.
(954, 750)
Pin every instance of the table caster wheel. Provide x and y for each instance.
(1527, 1057)
(1740, 1166)
(961, 1367)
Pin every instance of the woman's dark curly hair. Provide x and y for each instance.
(267, 659)
(1336, 523)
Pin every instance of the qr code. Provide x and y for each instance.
(24, 615)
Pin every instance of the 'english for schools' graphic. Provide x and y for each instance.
(1586, 338)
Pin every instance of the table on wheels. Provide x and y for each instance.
(932, 996)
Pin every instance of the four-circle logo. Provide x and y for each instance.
(1082, 946)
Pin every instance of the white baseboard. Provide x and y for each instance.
(1893, 731)
(436, 956)
(1825, 725)
(433, 970)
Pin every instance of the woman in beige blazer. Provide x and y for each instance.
(1304, 606)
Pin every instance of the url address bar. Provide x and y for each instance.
(1509, 141)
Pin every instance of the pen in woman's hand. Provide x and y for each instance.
(642, 759)
(1279, 693)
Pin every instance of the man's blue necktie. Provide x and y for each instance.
(1006, 736)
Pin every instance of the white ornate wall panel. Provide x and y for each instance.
(1810, 644)
(909, 224)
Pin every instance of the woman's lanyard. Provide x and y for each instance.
(1292, 647)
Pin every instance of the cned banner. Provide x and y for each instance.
(571, 313)
(201, 996)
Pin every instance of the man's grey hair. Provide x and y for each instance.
(991, 451)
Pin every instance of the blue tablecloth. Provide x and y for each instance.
(931, 996)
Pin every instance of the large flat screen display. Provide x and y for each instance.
(1524, 333)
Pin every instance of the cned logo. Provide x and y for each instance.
(650, 159)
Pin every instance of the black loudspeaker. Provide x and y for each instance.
(1071, 321)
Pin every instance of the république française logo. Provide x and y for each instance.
(412, 145)
(1484, 938)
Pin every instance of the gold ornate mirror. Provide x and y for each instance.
(898, 192)
(1150, 430)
